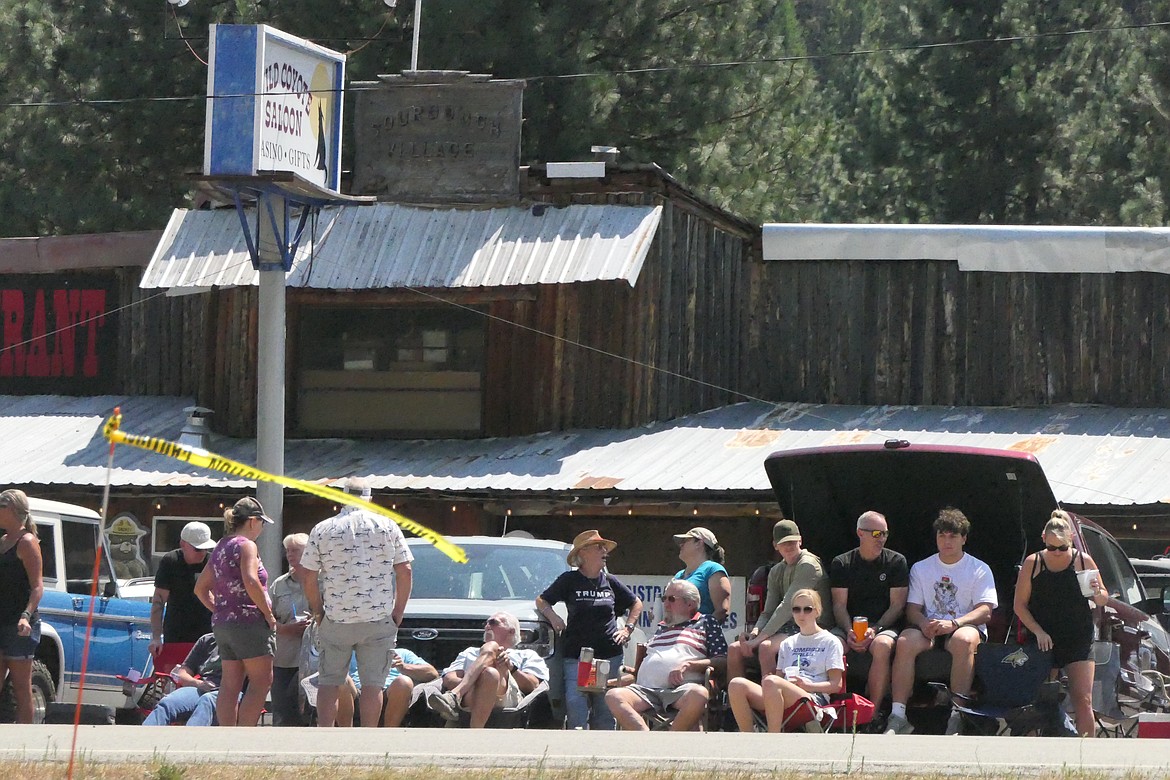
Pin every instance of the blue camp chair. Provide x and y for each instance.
(1013, 694)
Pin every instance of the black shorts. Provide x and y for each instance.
(1065, 653)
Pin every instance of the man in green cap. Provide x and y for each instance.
(797, 569)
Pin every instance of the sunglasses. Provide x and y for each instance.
(672, 598)
(875, 533)
(1056, 548)
(805, 610)
(494, 622)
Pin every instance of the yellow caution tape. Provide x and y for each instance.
(208, 460)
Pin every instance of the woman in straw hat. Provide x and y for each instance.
(20, 595)
(700, 551)
(594, 598)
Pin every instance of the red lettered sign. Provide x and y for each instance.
(57, 334)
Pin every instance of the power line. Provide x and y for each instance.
(794, 58)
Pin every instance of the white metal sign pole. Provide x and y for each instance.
(270, 382)
(417, 27)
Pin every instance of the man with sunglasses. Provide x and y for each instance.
(951, 598)
(870, 581)
(493, 675)
(686, 644)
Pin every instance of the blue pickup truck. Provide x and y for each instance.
(121, 627)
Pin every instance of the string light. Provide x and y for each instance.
(695, 511)
(630, 511)
(453, 507)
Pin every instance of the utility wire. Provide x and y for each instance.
(868, 52)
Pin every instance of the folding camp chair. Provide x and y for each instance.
(501, 718)
(1012, 694)
(146, 690)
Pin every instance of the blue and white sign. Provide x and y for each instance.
(274, 103)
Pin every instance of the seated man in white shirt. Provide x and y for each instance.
(496, 674)
(686, 644)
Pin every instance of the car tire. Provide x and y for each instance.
(43, 691)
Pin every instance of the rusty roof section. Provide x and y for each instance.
(50, 254)
(1092, 455)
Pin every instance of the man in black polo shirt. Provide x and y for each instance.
(186, 619)
(872, 582)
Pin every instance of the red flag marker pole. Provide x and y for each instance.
(93, 592)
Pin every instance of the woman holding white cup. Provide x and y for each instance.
(813, 666)
(1051, 603)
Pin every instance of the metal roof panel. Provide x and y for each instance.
(386, 246)
(1092, 455)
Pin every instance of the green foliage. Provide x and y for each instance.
(1028, 125)
(1040, 126)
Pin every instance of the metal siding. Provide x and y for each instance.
(386, 246)
(1091, 455)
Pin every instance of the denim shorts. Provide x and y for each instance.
(241, 641)
(20, 648)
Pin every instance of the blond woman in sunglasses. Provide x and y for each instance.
(1050, 603)
(810, 665)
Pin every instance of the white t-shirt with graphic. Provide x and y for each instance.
(814, 655)
(947, 591)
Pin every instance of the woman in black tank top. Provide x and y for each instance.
(20, 595)
(1050, 604)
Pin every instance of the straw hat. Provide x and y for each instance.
(585, 538)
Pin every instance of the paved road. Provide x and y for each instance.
(455, 748)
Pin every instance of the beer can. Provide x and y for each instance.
(584, 666)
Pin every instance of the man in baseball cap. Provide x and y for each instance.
(198, 535)
(798, 569)
(176, 615)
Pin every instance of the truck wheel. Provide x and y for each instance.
(43, 691)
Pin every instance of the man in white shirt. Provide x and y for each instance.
(686, 644)
(358, 599)
(495, 674)
(951, 598)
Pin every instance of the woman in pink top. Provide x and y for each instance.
(233, 586)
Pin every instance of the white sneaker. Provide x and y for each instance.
(954, 723)
(896, 724)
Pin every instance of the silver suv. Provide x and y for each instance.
(450, 601)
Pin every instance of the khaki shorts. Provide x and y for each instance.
(372, 643)
(511, 697)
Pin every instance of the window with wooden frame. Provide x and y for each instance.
(389, 371)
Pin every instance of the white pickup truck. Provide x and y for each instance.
(120, 630)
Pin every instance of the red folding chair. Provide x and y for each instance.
(158, 680)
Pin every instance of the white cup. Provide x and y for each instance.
(791, 672)
(1086, 578)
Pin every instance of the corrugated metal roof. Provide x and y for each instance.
(1036, 248)
(1092, 455)
(392, 246)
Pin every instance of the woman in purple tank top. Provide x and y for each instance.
(233, 586)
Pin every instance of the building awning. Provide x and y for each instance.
(1092, 455)
(1007, 248)
(388, 246)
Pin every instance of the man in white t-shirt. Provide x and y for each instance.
(686, 644)
(363, 565)
(951, 598)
